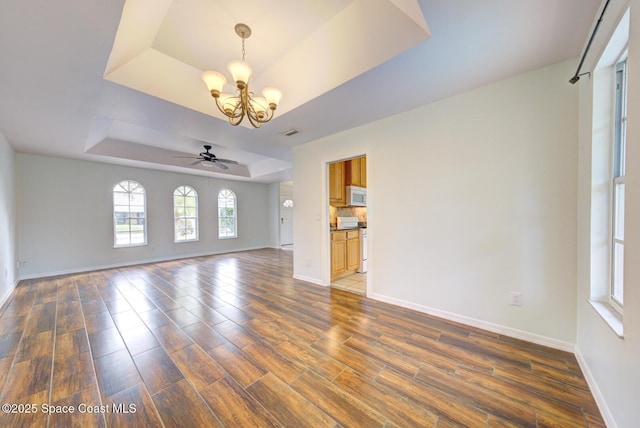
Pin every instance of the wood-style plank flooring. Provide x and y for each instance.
(232, 340)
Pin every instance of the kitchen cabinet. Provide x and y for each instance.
(353, 250)
(345, 253)
(338, 253)
(337, 186)
(356, 172)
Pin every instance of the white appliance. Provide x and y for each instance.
(362, 267)
(347, 223)
(356, 196)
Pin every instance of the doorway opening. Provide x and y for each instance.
(347, 212)
(286, 215)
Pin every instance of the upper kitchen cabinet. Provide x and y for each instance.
(337, 185)
(356, 172)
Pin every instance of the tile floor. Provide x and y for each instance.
(356, 283)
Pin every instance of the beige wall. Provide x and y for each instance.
(8, 226)
(470, 198)
(65, 215)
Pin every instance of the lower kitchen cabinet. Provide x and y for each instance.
(345, 253)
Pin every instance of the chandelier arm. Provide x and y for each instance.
(236, 122)
(235, 114)
(239, 111)
(219, 106)
(254, 120)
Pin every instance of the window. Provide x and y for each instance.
(129, 214)
(287, 203)
(185, 214)
(227, 215)
(606, 217)
(617, 203)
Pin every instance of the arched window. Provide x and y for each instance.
(129, 214)
(227, 215)
(185, 214)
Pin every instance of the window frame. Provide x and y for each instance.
(183, 191)
(230, 196)
(131, 185)
(616, 286)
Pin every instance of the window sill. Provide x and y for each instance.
(130, 246)
(610, 316)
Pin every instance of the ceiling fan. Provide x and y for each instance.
(208, 159)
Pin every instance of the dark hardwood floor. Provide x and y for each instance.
(232, 340)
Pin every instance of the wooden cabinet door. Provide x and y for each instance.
(337, 189)
(353, 253)
(353, 174)
(356, 172)
(338, 257)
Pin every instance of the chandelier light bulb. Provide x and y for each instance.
(214, 81)
(259, 105)
(272, 95)
(240, 71)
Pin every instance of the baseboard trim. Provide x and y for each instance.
(595, 391)
(9, 292)
(473, 322)
(309, 279)
(137, 262)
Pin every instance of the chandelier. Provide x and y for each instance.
(243, 103)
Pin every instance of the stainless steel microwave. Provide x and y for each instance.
(356, 196)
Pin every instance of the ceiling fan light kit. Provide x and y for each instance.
(235, 107)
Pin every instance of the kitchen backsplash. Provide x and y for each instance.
(335, 212)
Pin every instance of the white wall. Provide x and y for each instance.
(611, 364)
(66, 221)
(8, 226)
(470, 198)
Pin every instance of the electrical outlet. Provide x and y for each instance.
(307, 261)
(516, 299)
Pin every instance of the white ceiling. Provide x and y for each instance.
(68, 70)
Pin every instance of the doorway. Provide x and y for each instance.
(347, 212)
(286, 215)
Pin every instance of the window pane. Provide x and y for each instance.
(137, 237)
(122, 238)
(618, 272)
(619, 211)
(121, 198)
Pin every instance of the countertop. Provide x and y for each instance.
(361, 225)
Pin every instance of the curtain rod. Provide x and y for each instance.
(576, 76)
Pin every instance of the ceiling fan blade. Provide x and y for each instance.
(220, 165)
(196, 162)
(229, 161)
